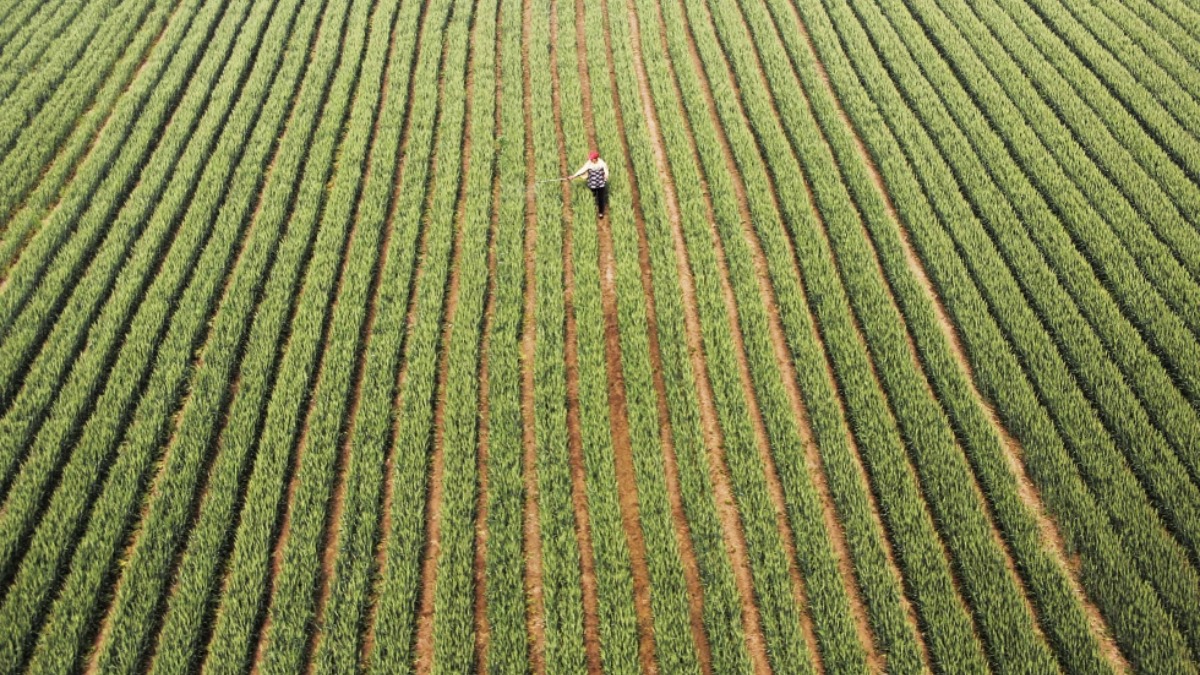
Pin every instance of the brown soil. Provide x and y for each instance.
(691, 570)
(622, 443)
(532, 535)
(482, 629)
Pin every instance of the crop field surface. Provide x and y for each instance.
(885, 357)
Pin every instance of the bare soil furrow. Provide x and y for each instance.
(532, 536)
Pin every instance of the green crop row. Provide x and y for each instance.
(454, 584)
(1153, 26)
(1172, 123)
(71, 411)
(1171, 413)
(1023, 27)
(746, 461)
(944, 463)
(147, 570)
(881, 588)
(44, 66)
(200, 568)
(880, 440)
(1060, 614)
(61, 136)
(1036, 416)
(150, 102)
(1112, 162)
(46, 304)
(562, 593)
(1154, 51)
(146, 565)
(827, 597)
(1006, 203)
(396, 610)
(1175, 12)
(1160, 471)
(120, 412)
(18, 20)
(28, 408)
(36, 26)
(20, 58)
(245, 592)
(1000, 613)
(508, 639)
(1173, 83)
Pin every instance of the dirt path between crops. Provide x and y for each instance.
(627, 494)
(591, 620)
(1052, 539)
(536, 604)
(687, 554)
(482, 627)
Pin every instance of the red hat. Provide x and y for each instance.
(594, 156)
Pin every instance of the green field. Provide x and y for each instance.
(886, 357)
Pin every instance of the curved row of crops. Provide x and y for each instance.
(884, 358)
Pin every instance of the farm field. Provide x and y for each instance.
(885, 357)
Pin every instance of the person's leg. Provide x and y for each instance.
(602, 200)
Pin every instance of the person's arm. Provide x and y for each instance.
(606, 172)
(582, 170)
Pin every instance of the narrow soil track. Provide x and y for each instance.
(691, 571)
(337, 504)
(766, 291)
(82, 156)
(618, 408)
(1027, 492)
(482, 629)
(532, 535)
(591, 622)
(726, 508)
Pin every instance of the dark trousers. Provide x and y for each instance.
(601, 195)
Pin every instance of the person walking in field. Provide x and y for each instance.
(596, 173)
